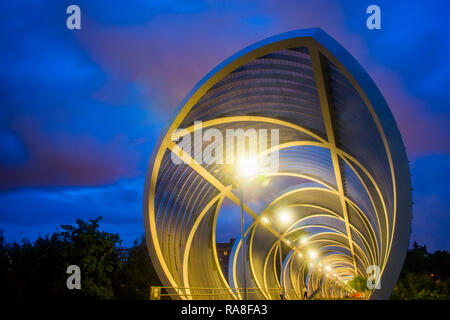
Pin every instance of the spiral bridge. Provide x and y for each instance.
(343, 175)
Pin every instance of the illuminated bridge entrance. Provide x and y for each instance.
(337, 206)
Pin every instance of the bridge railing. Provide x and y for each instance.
(196, 293)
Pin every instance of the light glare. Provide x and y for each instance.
(312, 254)
(303, 240)
(248, 167)
(284, 216)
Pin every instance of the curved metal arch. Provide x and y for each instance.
(327, 227)
(330, 189)
(338, 233)
(347, 158)
(337, 216)
(288, 230)
(323, 143)
(359, 211)
(276, 247)
(318, 44)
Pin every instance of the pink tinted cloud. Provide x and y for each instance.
(166, 62)
(170, 54)
(61, 159)
(423, 132)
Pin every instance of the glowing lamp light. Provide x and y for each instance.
(248, 167)
(312, 254)
(265, 220)
(303, 240)
(284, 216)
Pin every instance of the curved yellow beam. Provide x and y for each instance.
(190, 237)
(314, 47)
(284, 195)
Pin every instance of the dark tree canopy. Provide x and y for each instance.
(38, 270)
(424, 276)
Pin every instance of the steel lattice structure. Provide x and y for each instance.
(338, 138)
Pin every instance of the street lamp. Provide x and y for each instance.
(284, 216)
(248, 167)
(312, 254)
(303, 240)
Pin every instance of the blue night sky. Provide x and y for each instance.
(81, 110)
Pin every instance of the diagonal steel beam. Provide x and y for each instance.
(325, 106)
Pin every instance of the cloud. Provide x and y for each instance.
(33, 211)
(169, 53)
(82, 109)
(64, 159)
(423, 131)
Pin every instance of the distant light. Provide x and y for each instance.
(265, 220)
(300, 255)
(312, 254)
(248, 167)
(328, 268)
(303, 239)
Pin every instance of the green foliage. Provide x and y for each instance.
(421, 286)
(137, 275)
(424, 275)
(38, 270)
(358, 283)
(94, 251)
